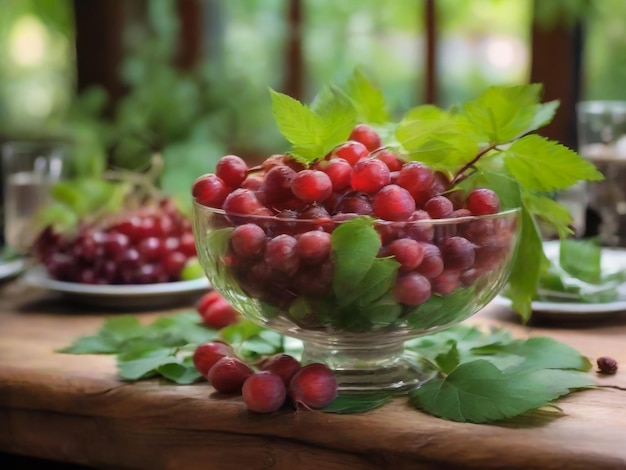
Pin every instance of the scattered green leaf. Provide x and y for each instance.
(479, 392)
(347, 404)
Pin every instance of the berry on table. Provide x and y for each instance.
(606, 365)
(314, 386)
(228, 374)
(283, 365)
(264, 392)
(207, 354)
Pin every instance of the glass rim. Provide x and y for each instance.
(601, 106)
(446, 221)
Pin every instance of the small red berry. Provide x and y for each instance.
(483, 201)
(207, 299)
(367, 135)
(207, 354)
(313, 386)
(606, 365)
(219, 314)
(209, 190)
(228, 374)
(232, 170)
(283, 365)
(264, 392)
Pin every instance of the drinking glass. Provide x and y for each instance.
(602, 140)
(29, 168)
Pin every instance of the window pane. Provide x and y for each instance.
(481, 43)
(385, 38)
(605, 51)
(36, 64)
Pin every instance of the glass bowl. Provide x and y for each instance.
(354, 288)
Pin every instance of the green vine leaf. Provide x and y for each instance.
(479, 392)
(542, 165)
(348, 404)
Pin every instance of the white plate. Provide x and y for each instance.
(121, 296)
(11, 268)
(612, 260)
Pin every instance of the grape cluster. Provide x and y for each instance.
(283, 213)
(150, 244)
(279, 379)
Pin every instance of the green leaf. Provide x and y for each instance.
(449, 360)
(179, 373)
(314, 131)
(377, 282)
(338, 116)
(90, 345)
(544, 114)
(503, 113)
(346, 404)
(383, 311)
(436, 139)
(299, 125)
(529, 264)
(145, 365)
(542, 352)
(539, 164)
(355, 245)
(121, 328)
(501, 183)
(576, 274)
(57, 215)
(440, 310)
(551, 212)
(478, 392)
(581, 259)
(368, 98)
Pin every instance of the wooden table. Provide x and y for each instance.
(73, 408)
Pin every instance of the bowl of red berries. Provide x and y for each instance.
(353, 253)
(141, 255)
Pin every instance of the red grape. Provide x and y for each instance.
(228, 374)
(313, 247)
(408, 252)
(219, 314)
(283, 365)
(209, 190)
(339, 171)
(458, 253)
(313, 386)
(483, 201)
(439, 207)
(366, 135)
(264, 392)
(432, 264)
(369, 176)
(280, 253)
(311, 186)
(412, 289)
(248, 239)
(393, 203)
(207, 354)
(232, 170)
(351, 151)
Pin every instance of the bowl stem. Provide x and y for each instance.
(370, 368)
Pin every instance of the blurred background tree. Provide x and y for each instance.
(192, 76)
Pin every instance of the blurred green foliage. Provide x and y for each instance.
(191, 118)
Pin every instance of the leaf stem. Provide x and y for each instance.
(460, 176)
